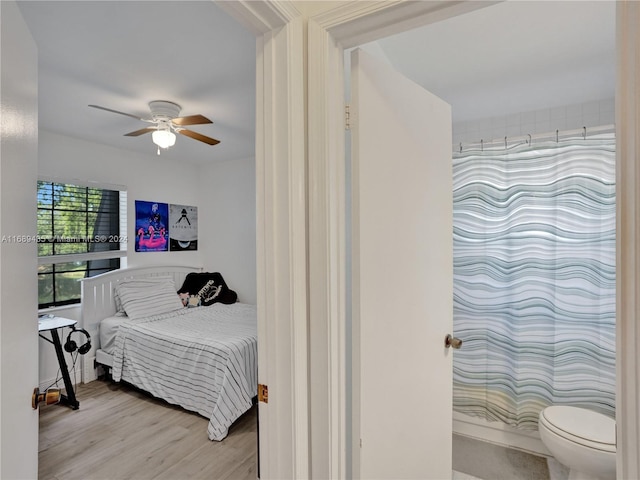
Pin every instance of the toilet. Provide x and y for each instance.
(580, 439)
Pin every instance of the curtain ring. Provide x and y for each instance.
(584, 133)
(529, 138)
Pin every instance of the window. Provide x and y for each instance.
(79, 235)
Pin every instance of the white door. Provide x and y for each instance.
(18, 261)
(402, 275)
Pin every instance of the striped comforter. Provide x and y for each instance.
(203, 359)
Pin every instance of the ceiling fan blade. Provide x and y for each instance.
(198, 136)
(142, 131)
(191, 120)
(121, 113)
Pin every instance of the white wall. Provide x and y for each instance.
(596, 113)
(146, 177)
(18, 293)
(224, 194)
(228, 194)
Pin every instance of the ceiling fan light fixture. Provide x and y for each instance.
(164, 138)
(166, 120)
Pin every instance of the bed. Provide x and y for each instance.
(203, 359)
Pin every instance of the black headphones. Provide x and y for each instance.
(71, 346)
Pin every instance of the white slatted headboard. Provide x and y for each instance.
(98, 301)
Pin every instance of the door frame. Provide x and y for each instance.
(355, 23)
(281, 235)
(280, 151)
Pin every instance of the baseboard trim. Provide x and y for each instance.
(46, 383)
(499, 434)
(50, 382)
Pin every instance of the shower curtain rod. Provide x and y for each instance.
(528, 139)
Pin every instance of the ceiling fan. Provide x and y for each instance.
(165, 120)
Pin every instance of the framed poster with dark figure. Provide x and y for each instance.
(183, 227)
(152, 219)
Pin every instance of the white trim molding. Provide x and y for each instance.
(281, 234)
(327, 255)
(282, 246)
(628, 238)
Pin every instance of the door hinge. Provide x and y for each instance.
(347, 117)
(263, 393)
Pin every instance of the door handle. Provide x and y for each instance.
(452, 342)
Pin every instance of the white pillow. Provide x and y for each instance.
(141, 281)
(146, 297)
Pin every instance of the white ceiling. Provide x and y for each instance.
(515, 56)
(511, 57)
(124, 54)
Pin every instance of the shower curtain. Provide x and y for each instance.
(534, 279)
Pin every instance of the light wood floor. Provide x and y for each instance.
(121, 433)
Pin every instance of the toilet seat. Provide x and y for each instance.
(584, 427)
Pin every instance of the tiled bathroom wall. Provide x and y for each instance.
(571, 117)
